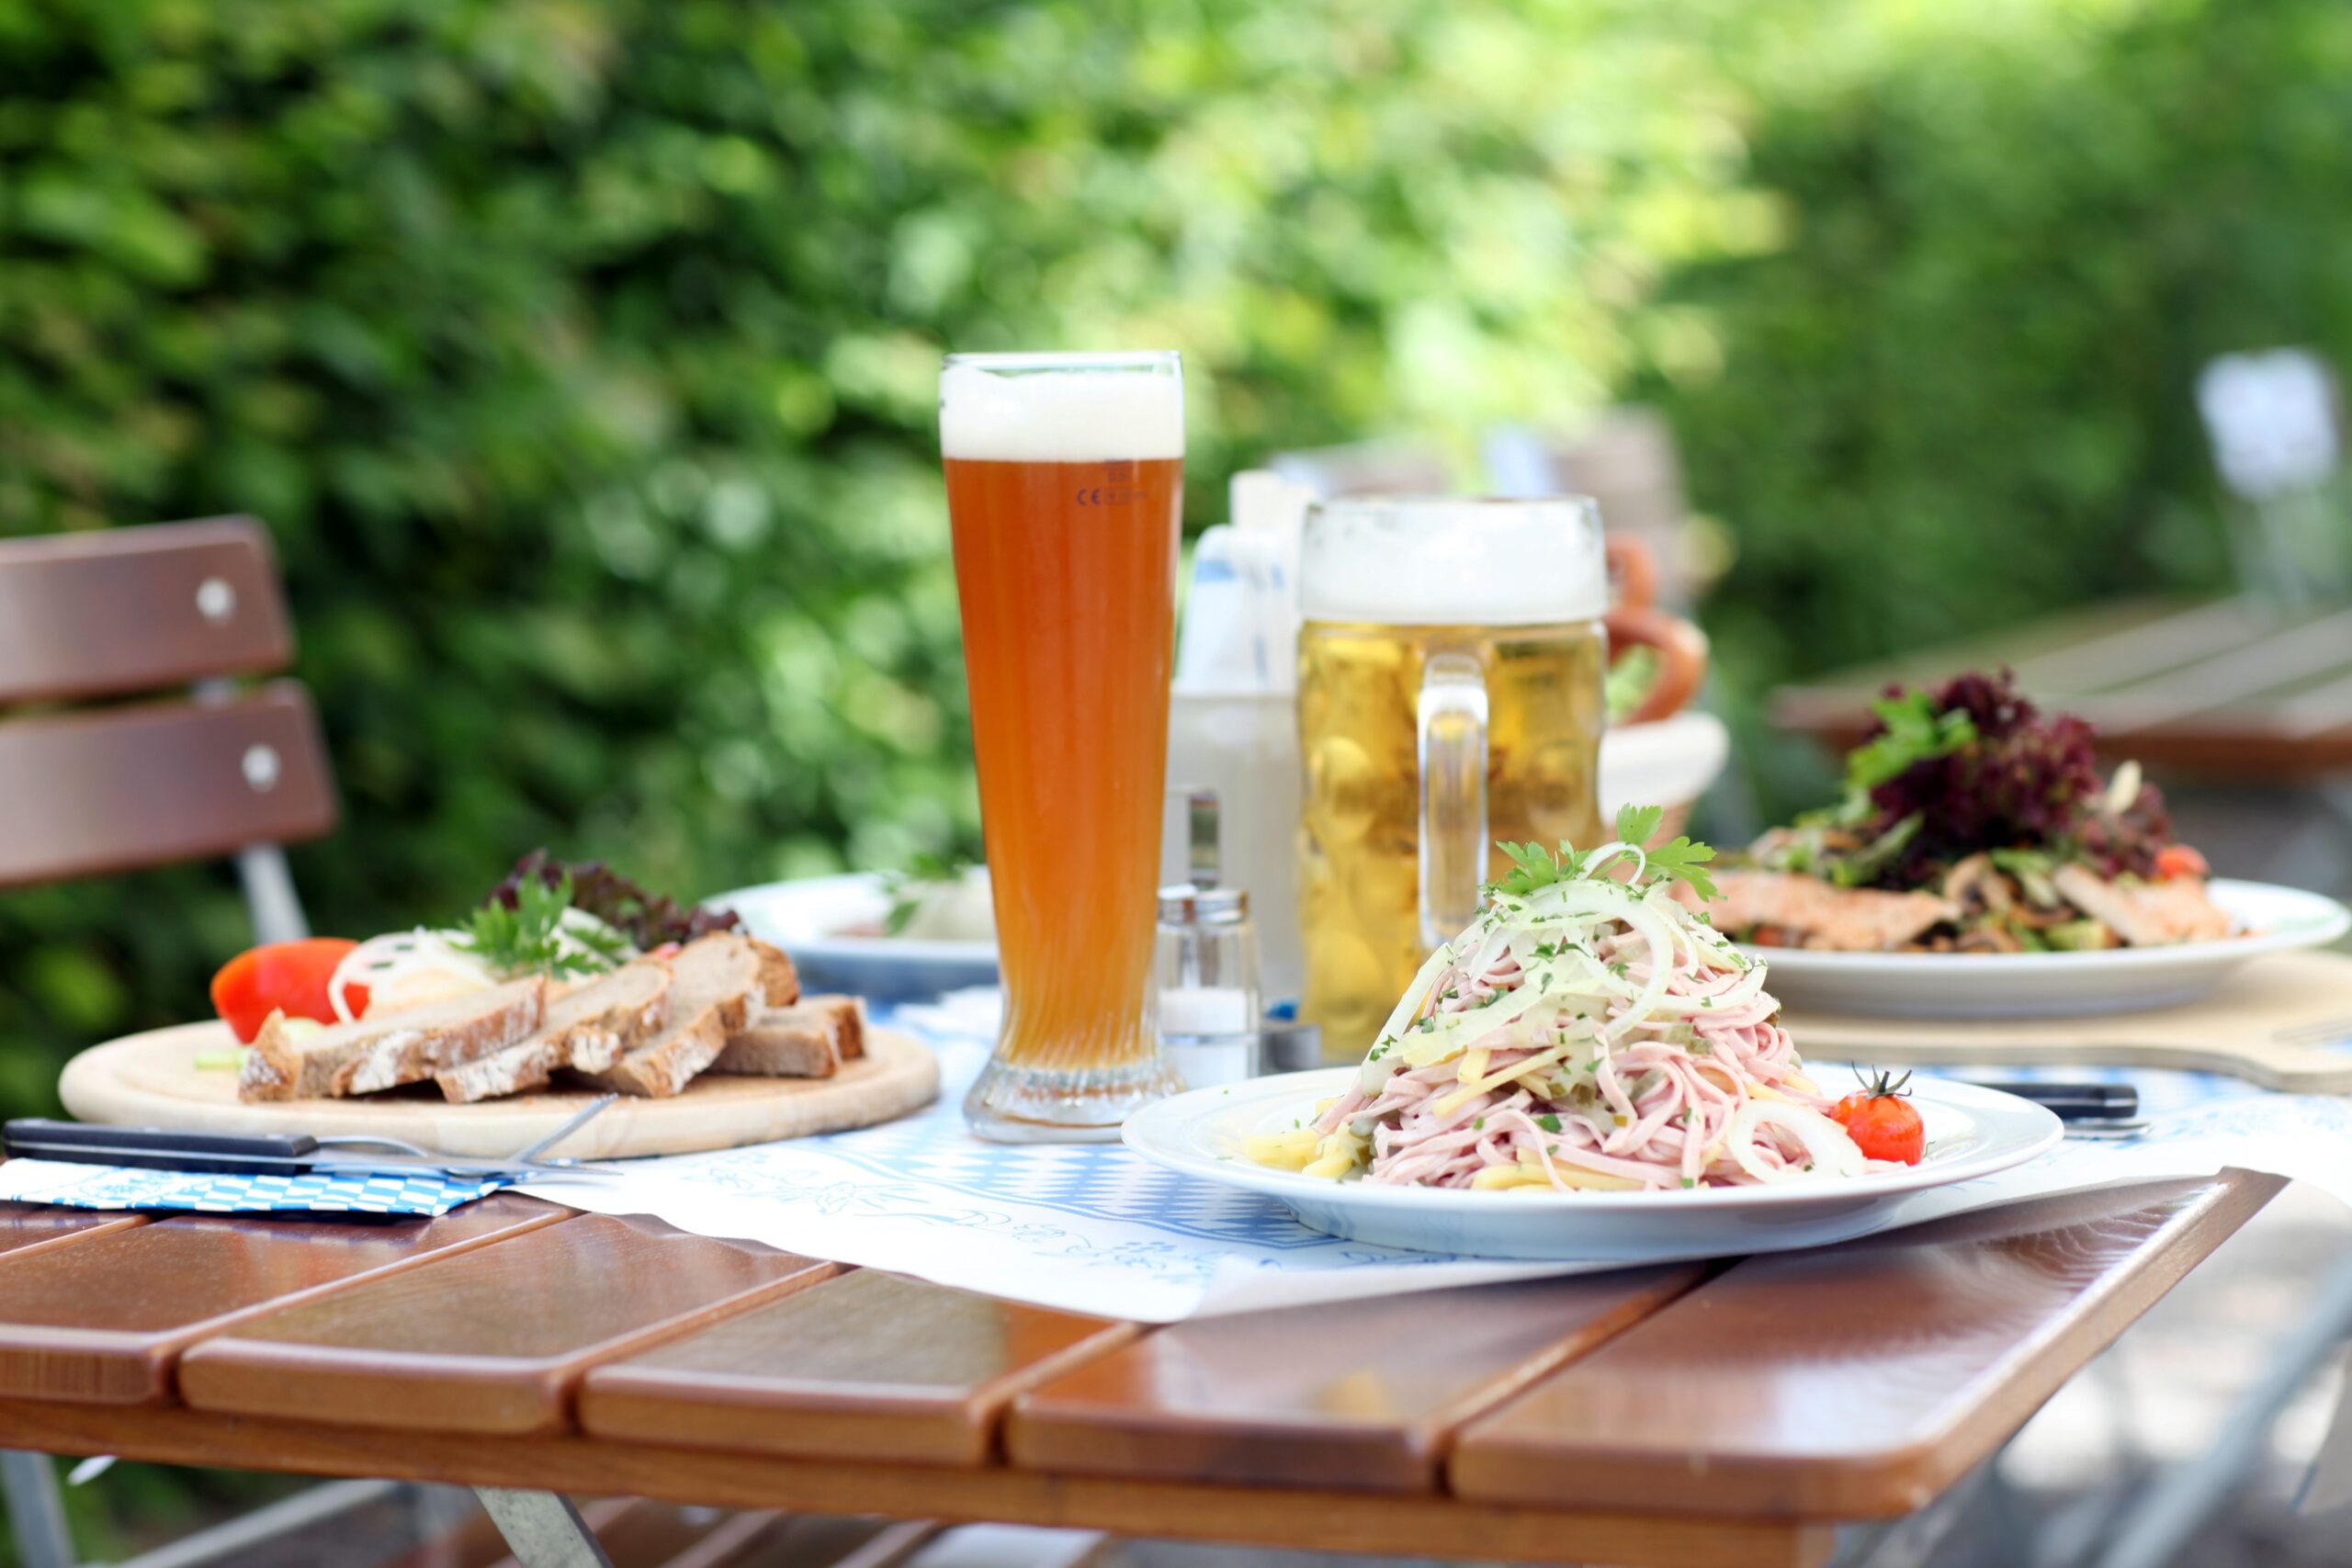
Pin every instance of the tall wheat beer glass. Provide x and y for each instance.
(1451, 665)
(1065, 476)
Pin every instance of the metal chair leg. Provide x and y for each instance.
(36, 1510)
(270, 899)
(543, 1528)
(2152, 1531)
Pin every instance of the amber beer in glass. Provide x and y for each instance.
(1451, 666)
(1065, 476)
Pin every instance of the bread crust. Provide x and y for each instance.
(779, 979)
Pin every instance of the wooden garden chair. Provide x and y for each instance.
(178, 615)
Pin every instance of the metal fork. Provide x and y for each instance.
(520, 1156)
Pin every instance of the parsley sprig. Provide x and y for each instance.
(531, 937)
(1534, 867)
(1915, 732)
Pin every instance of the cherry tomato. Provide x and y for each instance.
(284, 976)
(1882, 1123)
(2178, 860)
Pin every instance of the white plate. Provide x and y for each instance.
(2049, 985)
(808, 918)
(1673, 760)
(1971, 1132)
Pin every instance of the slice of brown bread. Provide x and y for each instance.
(397, 1048)
(588, 1026)
(810, 1039)
(778, 979)
(525, 1065)
(713, 983)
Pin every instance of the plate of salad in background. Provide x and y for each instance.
(1980, 864)
(888, 936)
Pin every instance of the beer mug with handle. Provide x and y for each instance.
(1450, 693)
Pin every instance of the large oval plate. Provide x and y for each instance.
(2052, 985)
(1971, 1132)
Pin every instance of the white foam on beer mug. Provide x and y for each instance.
(1015, 408)
(1453, 562)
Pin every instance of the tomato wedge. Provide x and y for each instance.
(282, 976)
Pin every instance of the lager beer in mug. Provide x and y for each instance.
(1450, 693)
(1065, 478)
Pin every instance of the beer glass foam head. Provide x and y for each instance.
(1439, 563)
(1078, 408)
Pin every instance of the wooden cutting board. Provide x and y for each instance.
(2283, 1020)
(152, 1079)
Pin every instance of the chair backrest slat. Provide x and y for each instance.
(114, 789)
(133, 610)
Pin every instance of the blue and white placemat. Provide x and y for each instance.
(119, 1187)
(1093, 1228)
(1084, 1227)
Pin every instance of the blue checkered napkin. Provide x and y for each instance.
(421, 1193)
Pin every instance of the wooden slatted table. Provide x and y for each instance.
(1689, 1415)
(2230, 689)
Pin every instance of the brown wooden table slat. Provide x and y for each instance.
(1854, 1381)
(1420, 1525)
(866, 1366)
(24, 1226)
(495, 1341)
(1353, 1395)
(103, 1317)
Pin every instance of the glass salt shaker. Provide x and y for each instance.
(1206, 969)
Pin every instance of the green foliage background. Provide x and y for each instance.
(582, 356)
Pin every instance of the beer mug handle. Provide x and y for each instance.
(1452, 722)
